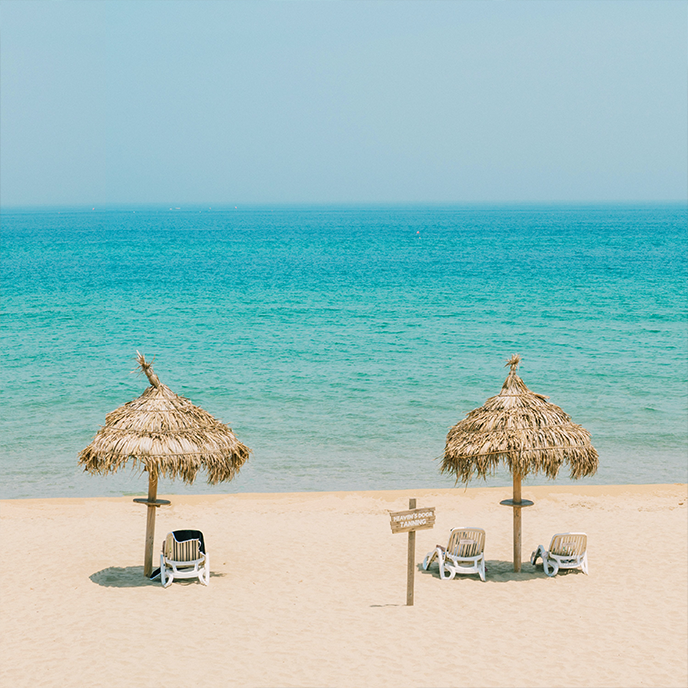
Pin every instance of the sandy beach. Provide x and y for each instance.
(309, 590)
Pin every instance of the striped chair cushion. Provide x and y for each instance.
(189, 550)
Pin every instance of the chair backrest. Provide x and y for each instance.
(466, 542)
(183, 535)
(569, 544)
(184, 545)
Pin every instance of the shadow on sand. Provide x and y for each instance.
(132, 577)
(387, 605)
(501, 572)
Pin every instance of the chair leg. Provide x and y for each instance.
(550, 566)
(166, 575)
(205, 571)
(539, 552)
(481, 569)
(444, 573)
(585, 564)
(429, 559)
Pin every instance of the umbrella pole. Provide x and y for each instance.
(517, 522)
(150, 525)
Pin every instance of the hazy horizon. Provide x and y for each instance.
(203, 207)
(335, 103)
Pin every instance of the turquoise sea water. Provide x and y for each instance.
(341, 344)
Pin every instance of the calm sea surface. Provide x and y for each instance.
(341, 344)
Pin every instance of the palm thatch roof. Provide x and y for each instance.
(522, 429)
(165, 435)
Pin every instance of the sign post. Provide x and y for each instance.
(411, 562)
(409, 522)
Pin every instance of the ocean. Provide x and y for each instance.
(341, 343)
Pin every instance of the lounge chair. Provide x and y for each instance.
(464, 553)
(184, 556)
(566, 551)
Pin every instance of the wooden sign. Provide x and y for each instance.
(409, 522)
(413, 519)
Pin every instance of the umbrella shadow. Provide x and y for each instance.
(132, 577)
(497, 571)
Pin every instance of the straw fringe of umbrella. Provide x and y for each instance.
(521, 429)
(165, 435)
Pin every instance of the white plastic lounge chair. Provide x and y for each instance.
(184, 556)
(465, 553)
(566, 551)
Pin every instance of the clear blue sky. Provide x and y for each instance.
(341, 102)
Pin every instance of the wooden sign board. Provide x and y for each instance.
(413, 519)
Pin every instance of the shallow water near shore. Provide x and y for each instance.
(341, 344)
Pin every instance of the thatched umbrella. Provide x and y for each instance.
(164, 435)
(526, 432)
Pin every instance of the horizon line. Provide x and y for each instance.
(225, 206)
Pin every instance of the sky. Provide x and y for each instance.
(226, 103)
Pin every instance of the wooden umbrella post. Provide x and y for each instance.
(517, 522)
(517, 504)
(150, 524)
(152, 503)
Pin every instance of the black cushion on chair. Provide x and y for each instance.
(184, 535)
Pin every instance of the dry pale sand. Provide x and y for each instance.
(309, 590)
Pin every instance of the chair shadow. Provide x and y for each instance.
(132, 577)
(497, 571)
